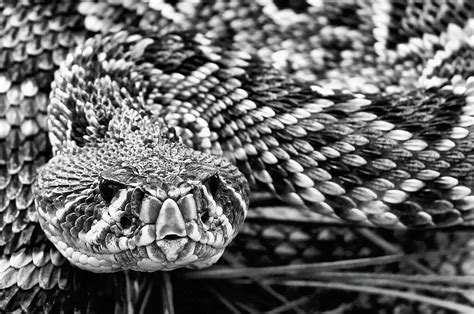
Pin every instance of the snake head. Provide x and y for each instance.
(147, 210)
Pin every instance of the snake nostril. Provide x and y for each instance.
(125, 222)
(205, 217)
(172, 237)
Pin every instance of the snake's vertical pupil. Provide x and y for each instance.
(213, 183)
(108, 190)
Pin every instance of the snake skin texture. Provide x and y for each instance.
(359, 111)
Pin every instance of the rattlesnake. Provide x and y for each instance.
(155, 120)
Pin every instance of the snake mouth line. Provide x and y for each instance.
(159, 255)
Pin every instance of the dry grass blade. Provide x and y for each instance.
(440, 279)
(380, 291)
(235, 263)
(418, 282)
(221, 273)
(227, 303)
(410, 285)
(166, 293)
(129, 293)
(391, 248)
(289, 305)
(329, 275)
(145, 298)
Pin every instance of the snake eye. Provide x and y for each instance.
(108, 190)
(213, 183)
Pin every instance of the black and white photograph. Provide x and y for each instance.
(237, 156)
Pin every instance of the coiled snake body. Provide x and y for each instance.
(154, 119)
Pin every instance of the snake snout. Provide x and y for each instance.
(188, 215)
(170, 222)
(177, 229)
